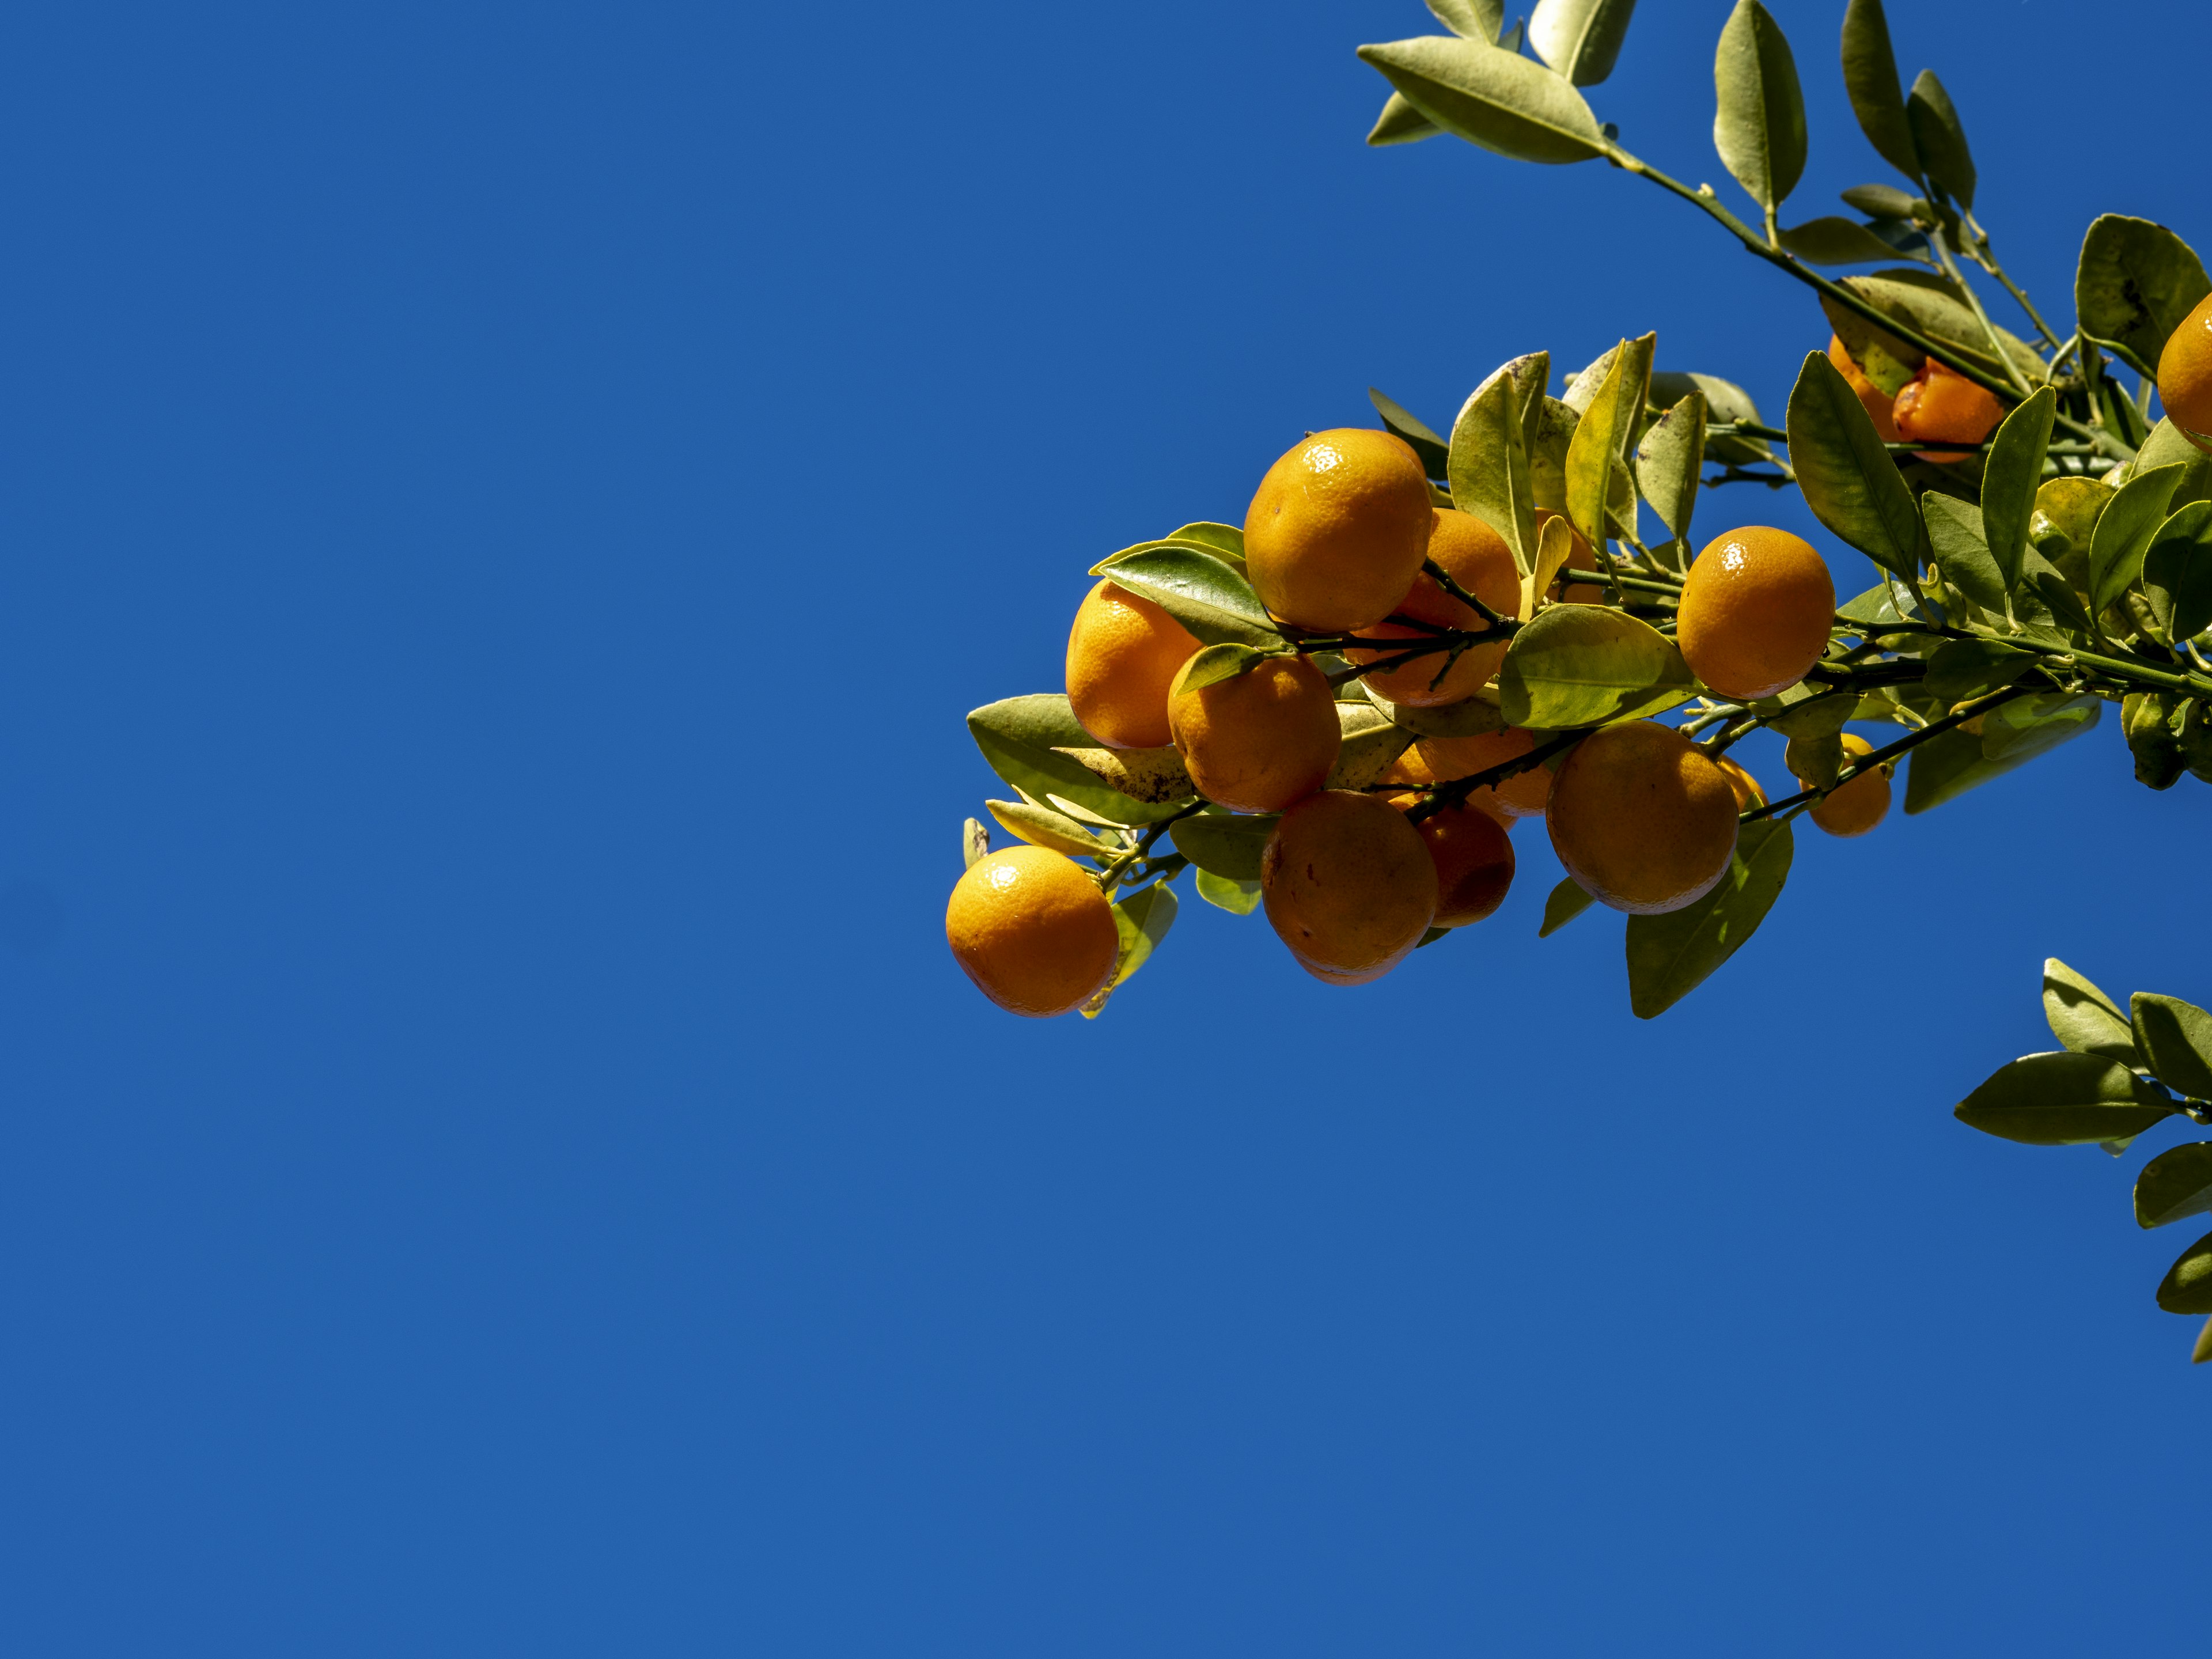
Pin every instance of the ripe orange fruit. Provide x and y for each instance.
(1756, 609)
(1123, 655)
(1032, 930)
(2184, 375)
(1259, 742)
(1642, 819)
(1473, 856)
(1579, 557)
(1858, 805)
(1523, 795)
(1879, 404)
(1349, 885)
(1338, 530)
(1476, 557)
(1940, 404)
(1410, 768)
(1748, 793)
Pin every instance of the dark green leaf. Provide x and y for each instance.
(1846, 472)
(1962, 668)
(2136, 281)
(1830, 240)
(1142, 919)
(1399, 122)
(2124, 534)
(1228, 844)
(2175, 1040)
(1670, 956)
(2187, 1287)
(1198, 587)
(1490, 470)
(2165, 447)
(1877, 99)
(1021, 738)
(2062, 1099)
(1883, 201)
(1434, 451)
(2177, 572)
(1432, 937)
(2175, 1184)
(1567, 901)
(1759, 129)
(2009, 480)
(1954, 536)
(1477, 20)
(1669, 461)
(1583, 665)
(1581, 39)
(1945, 768)
(1239, 898)
(1812, 712)
(1491, 98)
(1940, 139)
(2084, 1017)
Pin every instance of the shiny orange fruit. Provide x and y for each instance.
(1941, 405)
(1032, 930)
(1755, 611)
(1256, 743)
(1123, 655)
(2184, 375)
(1338, 529)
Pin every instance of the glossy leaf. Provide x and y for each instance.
(1940, 138)
(1142, 920)
(1041, 826)
(1495, 99)
(1846, 472)
(2084, 1017)
(1555, 545)
(2062, 1099)
(1435, 452)
(1580, 39)
(2175, 1040)
(2136, 281)
(1945, 768)
(1228, 844)
(1955, 537)
(1669, 462)
(1603, 435)
(1670, 956)
(1401, 123)
(1224, 541)
(1583, 665)
(1877, 97)
(2177, 572)
(1477, 20)
(1961, 669)
(1021, 738)
(2187, 1287)
(1218, 664)
(1198, 587)
(2124, 533)
(2010, 478)
(2174, 1185)
(1567, 901)
(1489, 460)
(1239, 898)
(975, 842)
(1759, 128)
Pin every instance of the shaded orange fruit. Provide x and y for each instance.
(1523, 795)
(2184, 375)
(1032, 930)
(1579, 557)
(1858, 805)
(1338, 529)
(1476, 557)
(1879, 404)
(1349, 885)
(1756, 609)
(1123, 655)
(1641, 818)
(1748, 793)
(1410, 768)
(1473, 856)
(1256, 743)
(1941, 405)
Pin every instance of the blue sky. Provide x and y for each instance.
(506, 508)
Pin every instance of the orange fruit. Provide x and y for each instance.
(1641, 818)
(1940, 404)
(1523, 795)
(1349, 885)
(1748, 793)
(1473, 856)
(1579, 557)
(1857, 805)
(1756, 609)
(1338, 529)
(1122, 654)
(1032, 930)
(1476, 557)
(1879, 404)
(1256, 743)
(2184, 375)
(1410, 768)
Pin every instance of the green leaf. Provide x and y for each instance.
(1966, 668)
(1581, 39)
(1669, 462)
(1877, 99)
(1943, 769)
(2062, 1099)
(2084, 1017)
(2136, 281)
(1930, 304)
(1142, 919)
(1603, 435)
(1846, 472)
(1399, 122)
(1369, 742)
(2165, 447)
(2177, 572)
(1954, 536)
(975, 842)
(2124, 534)
(1815, 761)
(1432, 937)
(1219, 663)
(1198, 587)
(1877, 605)
(1724, 401)
(1224, 541)
(1568, 900)
(2187, 1287)
(1759, 129)
(1227, 844)
(1470, 717)
(1670, 956)
(1940, 138)
(1495, 99)
(1883, 201)
(1041, 826)
(1490, 459)
(1477, 20)
(1434, 451)
(2010, 478)
(2174, 1185)
(1830, 240)
(1021, 737)
(1239, 898)
(1811, 712)
(2175, 1040)
(1583, 665)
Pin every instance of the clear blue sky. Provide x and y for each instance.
(504, 508)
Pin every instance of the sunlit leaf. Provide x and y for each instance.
(2187, 1287)
(1142, 920)
(1401, 123)
(2124, 534)
(1877, 98)
(1583, 665)
(1580, 39)
(1198, 587)
(1495, 99)
(1668, 463)
(1759, 129)
(2084, 1017)
(1239, 898)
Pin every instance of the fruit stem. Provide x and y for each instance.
(1445, 580)
(1455, 792)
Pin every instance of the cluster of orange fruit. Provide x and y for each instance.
(1336, 543)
